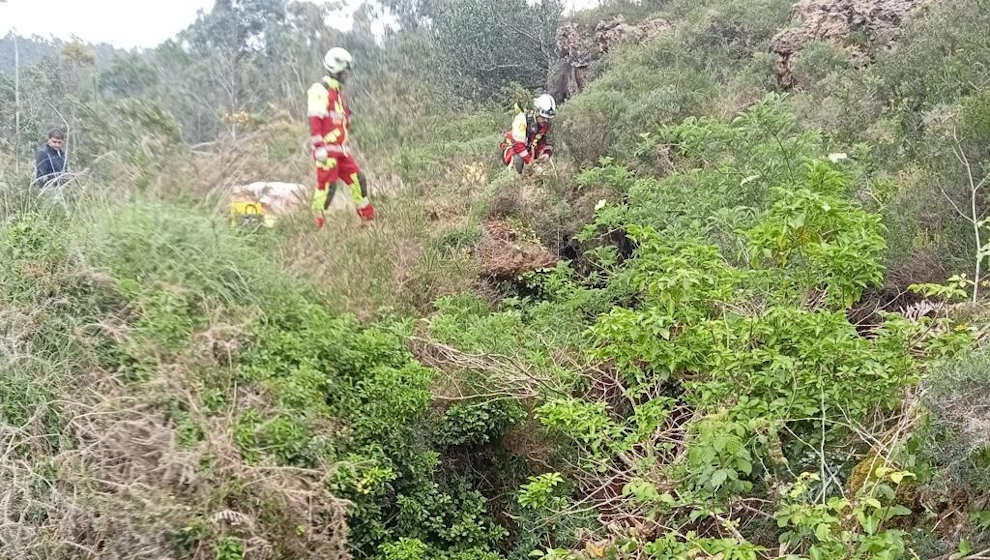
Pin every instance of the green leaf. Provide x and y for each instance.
(965, 549)
(872, 502)
(823, 532)
(718, 479)
(899, 510)
(697, 514)
(869, 524)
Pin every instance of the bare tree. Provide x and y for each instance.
(974, 214)
(17, 106)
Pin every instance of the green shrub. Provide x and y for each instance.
(415, 549)
(956, 440)
(700, 362)
(230, 548)
(937, 56)
(690, 70)
(842, 245)
(477, 423)
(817, 61)
(454, 520)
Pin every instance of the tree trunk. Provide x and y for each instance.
(17, 109)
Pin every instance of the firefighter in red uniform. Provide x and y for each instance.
(529, 138)
(329, 119)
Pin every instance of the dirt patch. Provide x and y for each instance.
(504, 254)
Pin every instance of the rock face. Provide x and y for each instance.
(835, 20)
(578, 46)
(615, 31)
(576, 53)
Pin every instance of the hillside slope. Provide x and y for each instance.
(723, 324)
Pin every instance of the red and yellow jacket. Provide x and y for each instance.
(329, 116)
(527, 137)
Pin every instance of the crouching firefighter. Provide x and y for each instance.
(529, 138)
(329, 120)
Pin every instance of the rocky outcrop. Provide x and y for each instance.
(576, 52)
(609, 33)
(578, 46)
(836, 20)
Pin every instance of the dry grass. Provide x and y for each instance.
(93, 462)
(119, 484)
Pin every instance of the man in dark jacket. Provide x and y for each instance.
(50, 164)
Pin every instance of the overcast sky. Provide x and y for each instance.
(122, 23)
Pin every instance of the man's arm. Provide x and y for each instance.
(520, 137)
(544, 147)
(317, 112)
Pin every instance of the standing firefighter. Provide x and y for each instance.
(529, 138)
(329, 119)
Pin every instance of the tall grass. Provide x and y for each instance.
(121, 323)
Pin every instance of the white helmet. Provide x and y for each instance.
(545, 106)
(337, 60)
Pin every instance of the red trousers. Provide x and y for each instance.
(337, 167)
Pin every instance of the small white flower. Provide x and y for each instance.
(837, 157)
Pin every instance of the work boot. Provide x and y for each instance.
(366, 212)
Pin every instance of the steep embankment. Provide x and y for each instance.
(686, 382)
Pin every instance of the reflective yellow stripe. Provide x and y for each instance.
(519, 128)
(356, 195)
(317, 101)
(320, 199)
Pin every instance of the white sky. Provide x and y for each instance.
(122, 23)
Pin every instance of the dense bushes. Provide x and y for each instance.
(687, 382)
(956, 440)
(710, 63)
(269, 402)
